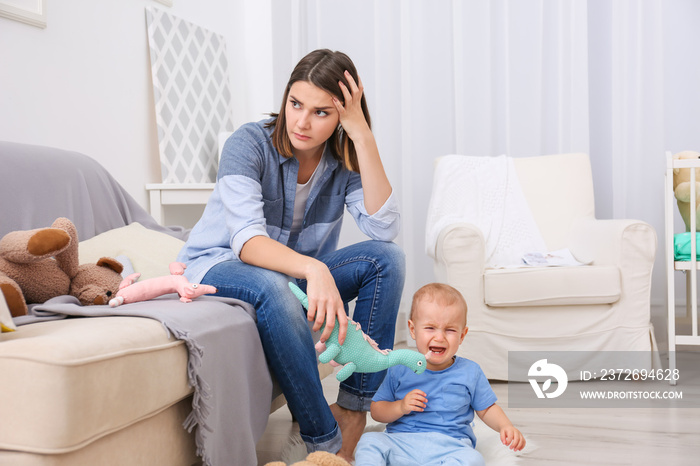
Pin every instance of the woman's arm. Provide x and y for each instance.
(325, 303)
(375, 184)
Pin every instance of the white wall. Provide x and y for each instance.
(682, 72)
(84, 82)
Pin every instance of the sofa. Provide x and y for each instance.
(120, 388)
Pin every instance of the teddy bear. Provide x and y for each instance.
(681, 188)
(37, 265)
(317, 458)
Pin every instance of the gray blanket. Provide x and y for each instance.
(40, 184)
(226, 368)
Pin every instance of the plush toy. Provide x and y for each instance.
(37, 265)
(359, 353)
(681, 188)
(131, 291)
(317, 458)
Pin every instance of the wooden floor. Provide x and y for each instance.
(573, 436)
(621, 436)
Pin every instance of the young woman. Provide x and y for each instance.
(276, 213)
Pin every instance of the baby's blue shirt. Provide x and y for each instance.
(453, 396)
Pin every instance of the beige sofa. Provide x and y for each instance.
(107, 390)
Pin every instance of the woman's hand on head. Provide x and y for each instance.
(325, 303)
(351, 116)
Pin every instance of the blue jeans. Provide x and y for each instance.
(371, 271)
(415, 449)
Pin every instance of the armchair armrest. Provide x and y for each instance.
(625, 243)
(460, 243)
(460, 257)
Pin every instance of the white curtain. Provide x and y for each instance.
(628, 107)
(516, 77)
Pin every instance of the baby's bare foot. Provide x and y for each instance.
(352, 425)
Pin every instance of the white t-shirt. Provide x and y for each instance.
(302, 196)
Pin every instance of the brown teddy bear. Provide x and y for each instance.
(37, 265)
(681, 188)
(317, 458)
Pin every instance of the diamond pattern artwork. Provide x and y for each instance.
(192, 96)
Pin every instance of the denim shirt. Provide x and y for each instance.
(254, 196)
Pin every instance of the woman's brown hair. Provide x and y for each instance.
(323, 68)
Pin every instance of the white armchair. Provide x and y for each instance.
(603, 306)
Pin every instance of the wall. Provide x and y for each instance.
(84, 82)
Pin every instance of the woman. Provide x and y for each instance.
(276, 213)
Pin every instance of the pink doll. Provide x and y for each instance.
(131, 291)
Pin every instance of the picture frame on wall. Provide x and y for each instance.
(31, 12)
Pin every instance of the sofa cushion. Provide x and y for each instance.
(149, 251)
(157, 440)
(549, 286)
(85, 378)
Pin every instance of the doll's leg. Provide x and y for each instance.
(24, 247)
(288, 345)
(13, 296)
(68, 259)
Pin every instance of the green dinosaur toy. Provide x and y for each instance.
(359, 353)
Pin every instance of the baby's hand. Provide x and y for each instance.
(512, 438)
(416, 400)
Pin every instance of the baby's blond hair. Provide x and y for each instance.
(439, 293)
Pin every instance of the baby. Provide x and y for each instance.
(428, 416)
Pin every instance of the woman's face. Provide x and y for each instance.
(311, 118)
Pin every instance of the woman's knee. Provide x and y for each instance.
(244, 281)
(260, 287)
(388, 249)
(281, 317)
(388, 255)
(275, 293)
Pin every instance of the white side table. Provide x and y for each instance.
(162, 194)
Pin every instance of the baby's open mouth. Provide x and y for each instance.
(436, 350)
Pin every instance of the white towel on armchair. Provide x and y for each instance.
(483, 191)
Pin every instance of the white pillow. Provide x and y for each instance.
(150, 252)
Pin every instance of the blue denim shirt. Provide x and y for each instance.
(254, 195)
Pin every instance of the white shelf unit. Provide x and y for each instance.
(162, 194)
(689, 268)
